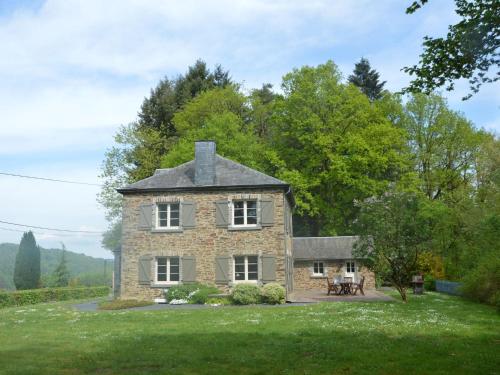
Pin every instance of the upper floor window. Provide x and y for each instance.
(244, 212)
(167, 270)
(167, 215)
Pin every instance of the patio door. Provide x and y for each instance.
(350, 270)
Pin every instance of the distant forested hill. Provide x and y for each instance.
(87, 269)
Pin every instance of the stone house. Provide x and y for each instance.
(209, 220)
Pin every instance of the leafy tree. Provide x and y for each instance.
(262, 103)
(27, 266)
(333, 146)
(470, 49)
(367, 79)
(234, 141)
(394, 230)
(444, 145)
(61, 273)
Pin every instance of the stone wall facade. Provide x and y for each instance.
(205, 241)
(305, 280)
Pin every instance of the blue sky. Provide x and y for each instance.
(72, 71)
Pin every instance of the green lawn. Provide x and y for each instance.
(432, 334)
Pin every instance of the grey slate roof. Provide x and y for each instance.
(323, 248)
(227, 174)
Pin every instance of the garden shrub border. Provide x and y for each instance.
(34, 296)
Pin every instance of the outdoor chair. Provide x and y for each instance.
(332, 287)
(359, 286)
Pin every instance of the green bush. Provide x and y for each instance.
(483, 282)
(201, 296)
(273, 293)
(119, 304)
(245, 294)
(181, 291)
(429, 282)
(33, 296)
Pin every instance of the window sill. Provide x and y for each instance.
(245, 281)
(166, 285)
(253, 227)
(166, 230)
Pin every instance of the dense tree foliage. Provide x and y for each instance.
(333, 146)
(470, 49)
(367, 80)
(27, 266)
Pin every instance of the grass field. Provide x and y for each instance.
(432, 334)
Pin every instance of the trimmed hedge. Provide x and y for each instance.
(33, 296)
(273, 294)
(246, 294)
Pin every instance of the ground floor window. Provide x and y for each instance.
(246, 268)
(318, 268)
(167, 270)
(350, 267)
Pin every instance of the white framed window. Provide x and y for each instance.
(318, 268)
(246, 268)
(167, 270)
(244, 213)
(167, 215)
(350, 269)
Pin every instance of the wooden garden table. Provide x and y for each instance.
(345, 287)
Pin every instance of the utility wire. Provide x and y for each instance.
(49, 179)
(40, 233)
(54, 229)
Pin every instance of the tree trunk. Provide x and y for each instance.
(402, 292)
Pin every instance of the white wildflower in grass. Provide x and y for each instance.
(21, 321)
(178, 302)
(253, 321)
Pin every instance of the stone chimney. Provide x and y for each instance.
(204, 161)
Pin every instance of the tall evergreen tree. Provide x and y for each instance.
(367, 79)
(61, 273)
(27, 267)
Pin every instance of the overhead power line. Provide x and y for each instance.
(49, 179)
(40, 233)
(53, 229)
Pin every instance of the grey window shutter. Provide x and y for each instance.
(188, 269)
(266, 212)
(221, 213)
(268, 268)
(145, 270)
(145, 216)
(222, 270)
(188, 214)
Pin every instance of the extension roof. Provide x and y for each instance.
(323, 248)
